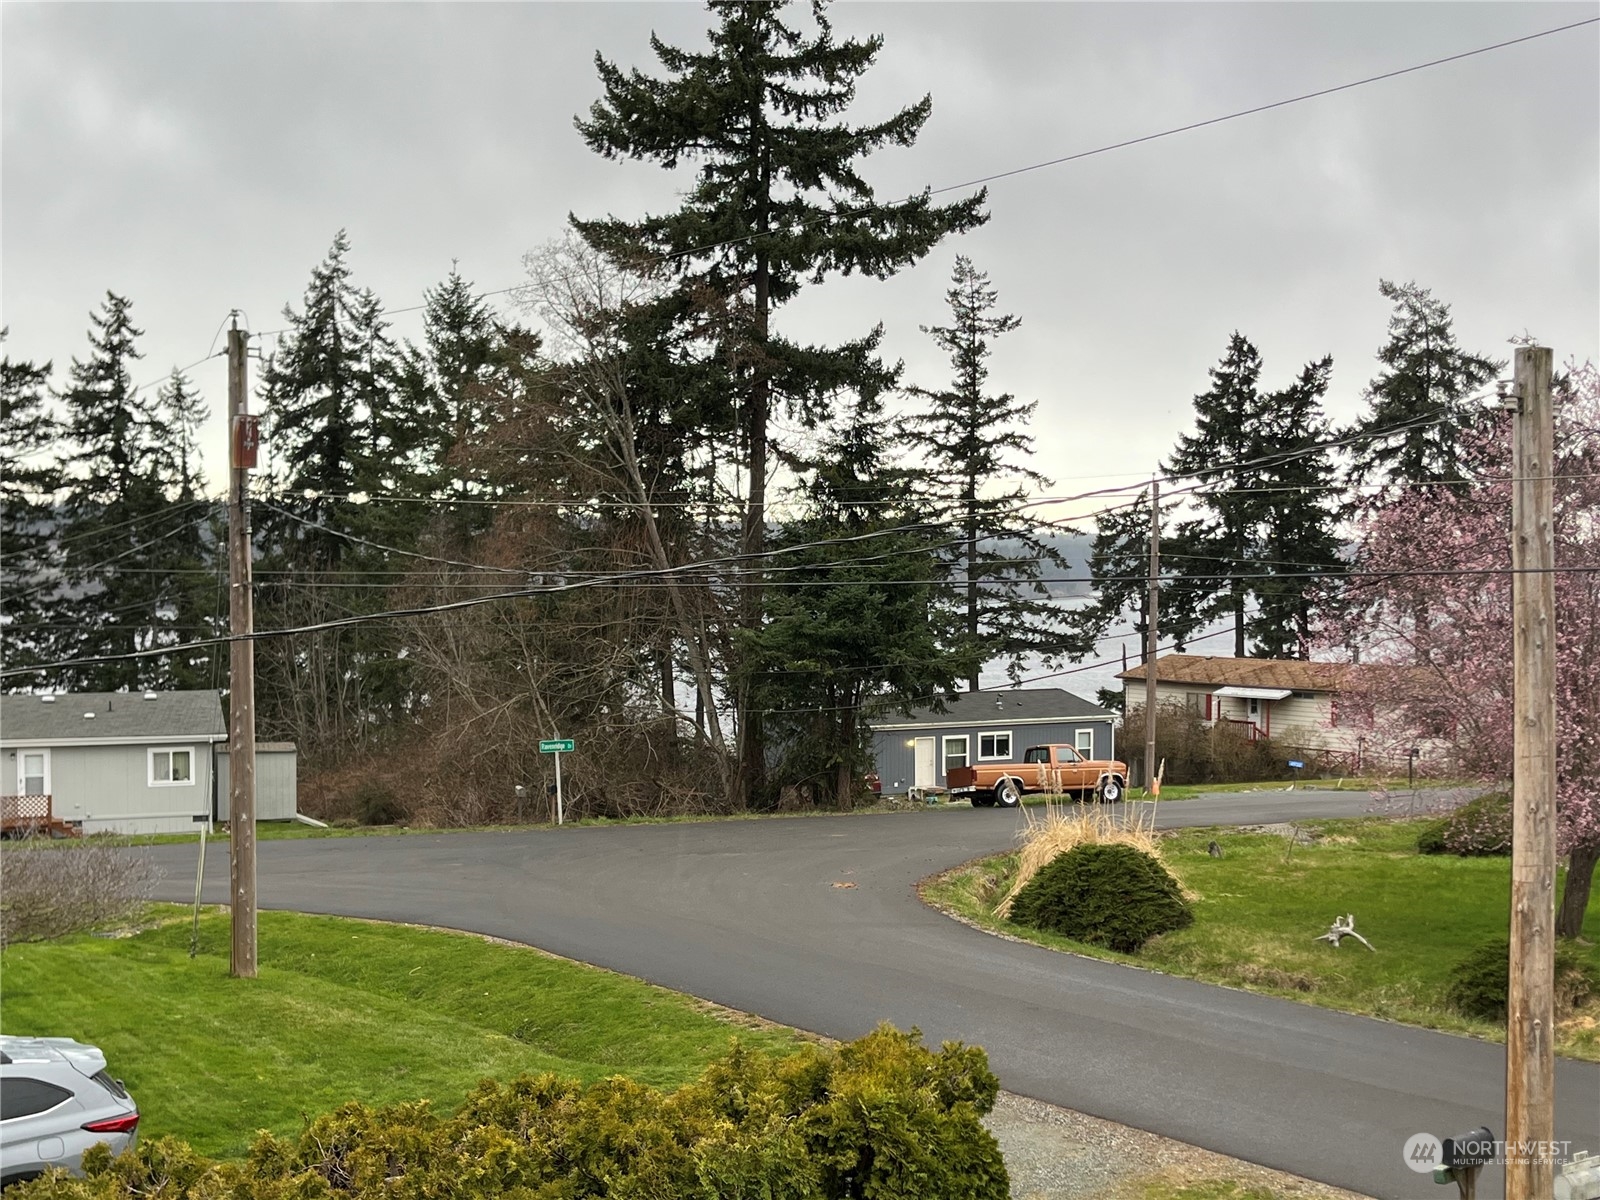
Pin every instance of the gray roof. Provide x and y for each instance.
(29, 718)
(1000, 705)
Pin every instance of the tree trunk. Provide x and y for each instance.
(845, 783)
(972, 578)
(1575, 893)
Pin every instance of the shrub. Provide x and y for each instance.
(1430, 838)
(881, 1117)
(375, 804)
(1480, 828)
(54, 890)
(1480, 983)
(1103, 895)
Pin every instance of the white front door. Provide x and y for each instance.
(927, 766)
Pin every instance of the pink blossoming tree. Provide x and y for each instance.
(1437, 614)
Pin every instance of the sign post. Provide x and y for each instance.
(558, 747)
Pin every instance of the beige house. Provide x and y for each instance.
(1294, 703)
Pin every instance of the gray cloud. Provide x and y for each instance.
(200, 157)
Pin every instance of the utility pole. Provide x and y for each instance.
(1530, 1024)
(1152, 603)
(242, 442)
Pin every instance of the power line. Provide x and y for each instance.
(862, 209)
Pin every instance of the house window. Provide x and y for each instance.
(994, 745)
(1191, 701)
(955, 751)
(1255, 707)
(33, 778)
(1083, 742)
(171, 768)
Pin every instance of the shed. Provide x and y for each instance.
(917, 750)
(276, 771)
(128, 762)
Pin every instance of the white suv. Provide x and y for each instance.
(56, 1101)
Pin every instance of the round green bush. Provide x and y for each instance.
(1103, 895)
(1479, 983)
(1430, 839)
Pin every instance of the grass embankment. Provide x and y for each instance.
(344, 1010)
(1259, 907)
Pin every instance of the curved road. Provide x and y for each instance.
(745, 913)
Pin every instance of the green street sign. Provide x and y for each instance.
(557, 746)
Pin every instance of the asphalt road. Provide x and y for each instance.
(746, 913)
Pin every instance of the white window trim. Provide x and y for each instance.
(996, 733)
(966, 749)
(150, 766)
(22, 758)
(1078, 737)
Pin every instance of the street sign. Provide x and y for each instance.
(556, 746)
(1296, 763)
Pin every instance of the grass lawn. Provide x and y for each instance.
(1259, 907)
(343, 1010)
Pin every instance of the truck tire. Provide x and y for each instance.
(1007, 794)
(1110, 790)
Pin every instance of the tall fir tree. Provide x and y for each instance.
(1211, 553)
(1119, 561)
(195, 556)
(854, 625)
(119, 514)
(332, 429)
(336, 430)
(1266, 526)
(778, 201)
(1422, 401)
(30, 477)
(1300, 565)
(970, 438)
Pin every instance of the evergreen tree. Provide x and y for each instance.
(195, 555)
(852, 623)
(29, 480)
(1266, 526)
(1300, 556)
(336, 429)
(778, 201)
(1422, 401)
(1119, 567)
(119, 596)
(1212, 552)
(332, 428)
(971, 437)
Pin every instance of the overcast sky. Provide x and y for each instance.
(200, 157)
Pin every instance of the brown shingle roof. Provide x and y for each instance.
(1293, 674)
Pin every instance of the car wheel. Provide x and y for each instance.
(1110, 791)
(1006, 794)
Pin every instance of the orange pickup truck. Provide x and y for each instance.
(1053, 770)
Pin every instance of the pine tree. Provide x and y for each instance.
(332, 428)
(1213, 551)
(1267, 521)
(971, 437)
(1119, 562)
(1300, 550)
(336, 430)
(852, 623)
(195, 555)
(29, 480)
(1422, 401)
(119, 597)
(777, 202)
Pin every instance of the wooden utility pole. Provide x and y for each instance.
(1152, 604)
(1530, 1024)
(242, 443)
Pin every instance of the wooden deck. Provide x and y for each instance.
(32, 816)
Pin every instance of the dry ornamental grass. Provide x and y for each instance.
(1065, 827)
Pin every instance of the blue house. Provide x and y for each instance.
(988, 726)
